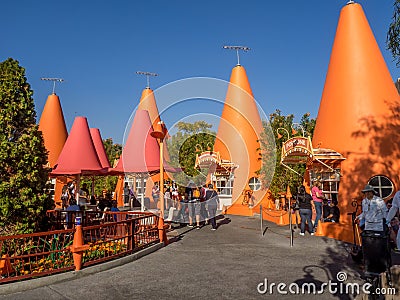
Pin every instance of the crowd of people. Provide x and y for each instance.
(376, 215)
(70, 202)
(196, 206)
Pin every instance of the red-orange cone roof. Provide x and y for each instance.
(141, 152)
(99, 146)
(357, 115)
(239, 130)
(148, 102)
(78, 155)
(52, 125)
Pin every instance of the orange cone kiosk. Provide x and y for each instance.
(52, 126)
(148, 103)
(357, 118)
(237, 143)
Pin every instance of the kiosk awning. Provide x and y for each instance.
(299, 150)
(212, 160)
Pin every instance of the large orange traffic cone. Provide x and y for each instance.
(78, 247)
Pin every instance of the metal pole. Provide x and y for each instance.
(162, 178)
(290, 225)
(261, 221)
(142, 192)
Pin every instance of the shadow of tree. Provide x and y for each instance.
(336, 264)
(382, 152)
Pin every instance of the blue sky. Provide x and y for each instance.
(97, 46)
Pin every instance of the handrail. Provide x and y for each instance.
(31, 255)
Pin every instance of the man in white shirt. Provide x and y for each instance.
(374, 210)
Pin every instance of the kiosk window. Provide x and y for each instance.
(254, 183)
(383, 185)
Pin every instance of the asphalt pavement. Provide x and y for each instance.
(234, 262)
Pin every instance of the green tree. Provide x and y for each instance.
(280, 129)
(23, 156)
(191, 139)
(393, 35)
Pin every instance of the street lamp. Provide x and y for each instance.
(298, 125)
(280, 135)
(159, 134)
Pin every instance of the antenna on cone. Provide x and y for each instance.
(237, 48)
(147, 74)
(54, 82)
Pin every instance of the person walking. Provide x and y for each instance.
(304, 200)
(127, 194)
(155, 193)
(189, 190)
(212, 202)
(317, 197)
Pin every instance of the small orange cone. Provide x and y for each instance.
(5, 265)
(320, 231)
(281, 222)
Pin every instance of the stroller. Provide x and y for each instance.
(356, 251)
(377, 259)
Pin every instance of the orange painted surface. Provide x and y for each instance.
(119, 191)
(148, 102)
(52, 125)
(238, 132)
(358, 113)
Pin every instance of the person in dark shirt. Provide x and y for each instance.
(334, 213)
(325, 209)
(304, 199)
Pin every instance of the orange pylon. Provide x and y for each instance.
(281, 222)
(78, 247)
(320, 231)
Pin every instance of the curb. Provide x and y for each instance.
(30, 284)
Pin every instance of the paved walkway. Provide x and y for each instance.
(228, 263)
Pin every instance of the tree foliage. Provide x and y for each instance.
(23, 156)
(191, 139)
(287, 129)
(393, 35)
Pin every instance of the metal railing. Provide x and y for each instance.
(39, 254)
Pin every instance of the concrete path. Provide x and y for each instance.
(233, 262)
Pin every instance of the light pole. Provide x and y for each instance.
(280, 135)
(302, 128)
(159, 134)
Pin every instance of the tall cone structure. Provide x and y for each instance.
(358, 113)
(147, 102)
(52, 126)
(141, 152)
(238, 134)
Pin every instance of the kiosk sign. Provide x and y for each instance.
(296, 145)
